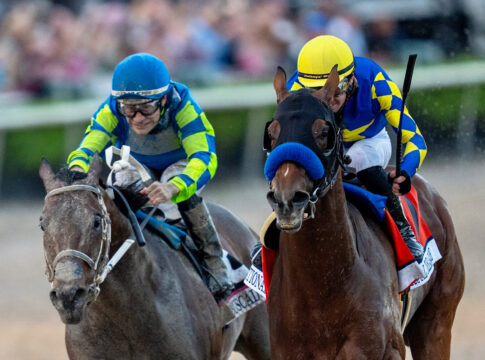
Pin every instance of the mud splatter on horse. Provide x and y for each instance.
(153, 305)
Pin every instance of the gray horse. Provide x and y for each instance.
(153, 305)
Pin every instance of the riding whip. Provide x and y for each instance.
(407, 84)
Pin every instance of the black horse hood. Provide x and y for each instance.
(296, 115)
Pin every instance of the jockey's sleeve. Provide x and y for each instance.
(389, 98)
(198, 141)
(293, 84)
(98, 136)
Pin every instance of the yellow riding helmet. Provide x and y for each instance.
(319, 55)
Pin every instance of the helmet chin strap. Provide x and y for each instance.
(163, 103)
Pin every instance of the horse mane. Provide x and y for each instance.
(134, 198)
(68, 176)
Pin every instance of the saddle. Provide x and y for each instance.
(242, 299)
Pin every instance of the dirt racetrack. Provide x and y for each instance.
(31, 330)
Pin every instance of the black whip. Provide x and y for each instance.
(407, 84)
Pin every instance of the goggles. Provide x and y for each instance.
(146, 109)
(345, 86)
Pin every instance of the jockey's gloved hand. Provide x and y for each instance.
(126, 177)
(405, 186)
(135, 199)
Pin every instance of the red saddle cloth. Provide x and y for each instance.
(411, 274)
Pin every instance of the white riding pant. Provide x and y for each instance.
(129, 176)
(374, 151)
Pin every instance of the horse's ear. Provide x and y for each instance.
(328, 90)
(279, 84)
(95, 168)
(47, 175)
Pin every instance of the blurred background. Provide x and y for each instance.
(56, 61)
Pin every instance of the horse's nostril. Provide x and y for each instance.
(53, 295)
(300, 198)
(80, 293)
(271, 197)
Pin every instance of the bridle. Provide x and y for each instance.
(327, 182)
(97, 264)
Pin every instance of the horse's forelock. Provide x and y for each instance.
(69, 177)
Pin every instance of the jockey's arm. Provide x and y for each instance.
(98, 135)
(197, 137)
(390, 101)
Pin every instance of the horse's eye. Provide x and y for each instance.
(321, 138)
(322, 134)
(97, 221)
(40, 224)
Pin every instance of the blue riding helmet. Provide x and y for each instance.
(142, 76)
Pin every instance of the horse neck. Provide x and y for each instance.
(120, 225)
(143, 274)
(327, 241)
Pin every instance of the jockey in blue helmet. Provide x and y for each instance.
(169, 134)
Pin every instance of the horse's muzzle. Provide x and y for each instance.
(70, 296)
(289, 214)
(70, 303)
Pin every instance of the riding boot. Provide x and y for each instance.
(203, 232)
(394, 207)
(375, 180)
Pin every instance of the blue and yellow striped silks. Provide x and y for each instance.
(98, 136)
(195, 138)
(377, 102)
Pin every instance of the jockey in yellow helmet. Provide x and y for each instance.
(364, 103)
(169, 133)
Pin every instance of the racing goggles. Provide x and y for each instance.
(146, 108)
(345, 87)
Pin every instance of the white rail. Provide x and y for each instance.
(231, 97)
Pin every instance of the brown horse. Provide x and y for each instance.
(153, 305)
(334, 290)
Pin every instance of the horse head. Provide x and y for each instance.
(305, 149)
(77, 235)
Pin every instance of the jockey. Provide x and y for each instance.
(365, 101)
(169, 134)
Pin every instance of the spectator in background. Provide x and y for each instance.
(22, 50)
(328, 18)
(68, 65)
(382, 39)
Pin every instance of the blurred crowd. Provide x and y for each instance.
(64, 48)
(53, 49)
